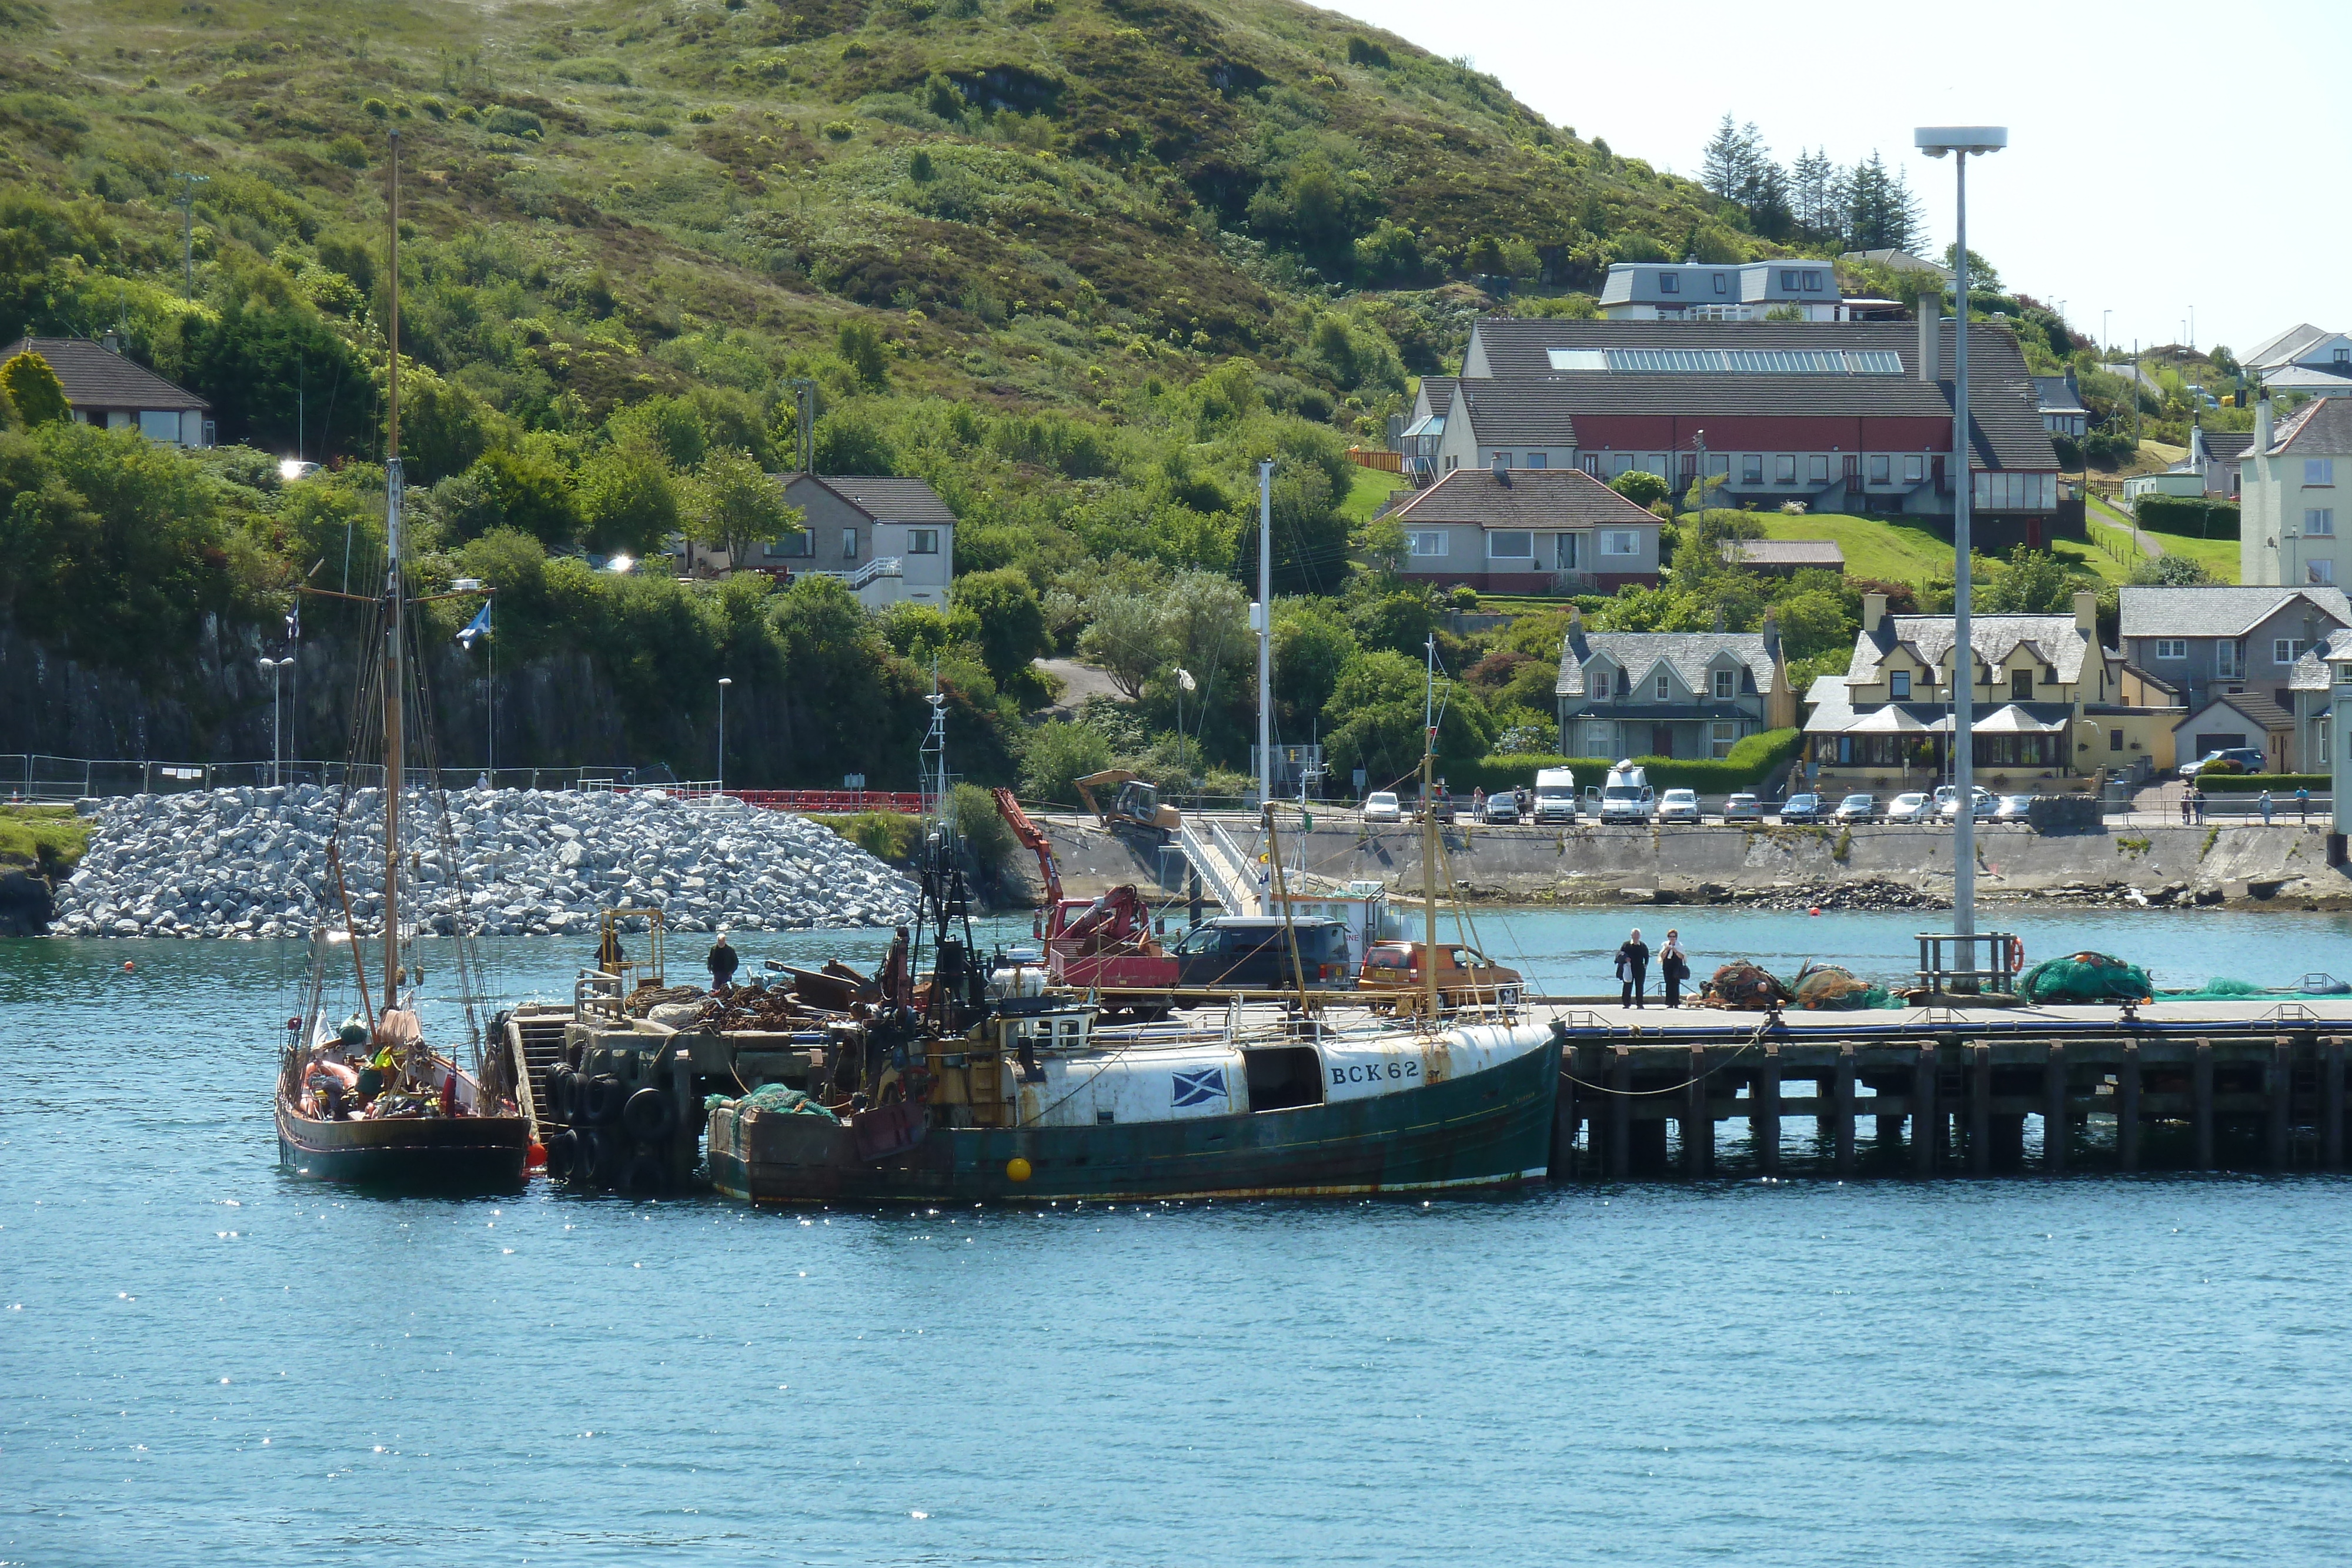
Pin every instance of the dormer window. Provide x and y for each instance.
(1669, 283)
(1600, 683)
(1898, 685)
(1665, 687)
(1722, 685)
(1723, 285)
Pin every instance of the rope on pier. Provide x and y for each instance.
(1755, 1038)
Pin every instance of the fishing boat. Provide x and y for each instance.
(363, 1095)
(950, 1087)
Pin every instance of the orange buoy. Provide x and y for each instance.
(537, 1158)
(1815, 910)
(128, 966)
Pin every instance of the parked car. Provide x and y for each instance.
(1380, 806)
(1250, 952)
(1466, 977)
(1915, 807)
(1678, 806)
(1743, 808)
(1805, 807)
(1502, 807)
(1440, 805)
(1947, 802)
(1857, 808)
(2249, 759)
(2013, 809)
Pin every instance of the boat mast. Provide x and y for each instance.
(1429, 833)
(394, 735)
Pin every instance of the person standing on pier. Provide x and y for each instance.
(2266, 808)
(1673, 967)
(721, 960)
(1633, 967)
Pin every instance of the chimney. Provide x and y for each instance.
(2261, 428)
(1873, 611)
(1930, 311)
(111, 342)
(2086, 614)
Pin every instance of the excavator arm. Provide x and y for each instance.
(1033, 840)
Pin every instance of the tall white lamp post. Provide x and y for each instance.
(276, 713)
(724, 682)
(1960, 141)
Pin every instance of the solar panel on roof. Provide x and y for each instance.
(1873, 362)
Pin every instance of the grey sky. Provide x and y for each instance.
(2161, 155)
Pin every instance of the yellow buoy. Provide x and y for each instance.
(1016, 1169)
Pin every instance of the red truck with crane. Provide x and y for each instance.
(1098, 944)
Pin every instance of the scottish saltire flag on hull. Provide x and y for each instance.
(1198, 1088)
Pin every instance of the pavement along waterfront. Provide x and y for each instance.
(210, 1361)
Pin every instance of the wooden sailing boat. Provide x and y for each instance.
(371, 1100)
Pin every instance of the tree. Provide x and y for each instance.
(628, 500)
(734, 505)
(442, 427)
(1815, 196)
(278, 375)
(1012, 623)
(1644, 489)
(530, 494)
(2030, 583)
(1882, 212)
(1982, 276)
(1057, 754)
(1125, 637)
(34, 387)
(861, 347)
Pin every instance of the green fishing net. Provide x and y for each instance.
(2085, 977)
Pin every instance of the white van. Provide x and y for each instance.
(1555, 795)
(1627, 797)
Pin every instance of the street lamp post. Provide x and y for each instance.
(277, 714)
(724, 682)
(1936, 141)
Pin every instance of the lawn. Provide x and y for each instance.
(1370, 488)
(2218, 557)
(50, 837)
(1895, 551)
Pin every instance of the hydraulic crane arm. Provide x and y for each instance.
(1034, 839)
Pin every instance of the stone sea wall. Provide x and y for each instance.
(253, 864)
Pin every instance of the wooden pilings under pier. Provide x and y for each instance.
(1948, 1099)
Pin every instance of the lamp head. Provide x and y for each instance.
(726, 680)
(1936, 141)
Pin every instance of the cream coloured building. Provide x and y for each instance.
(2289, 513)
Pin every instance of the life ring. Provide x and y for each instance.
(2016, 956)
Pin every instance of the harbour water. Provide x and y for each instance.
(205, 1360)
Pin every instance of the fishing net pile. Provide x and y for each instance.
(774, 1098)
(2085, 977)
(1825, 988)
(1743, 987)
(2219, 988)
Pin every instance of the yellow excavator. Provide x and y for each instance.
(1134, 804)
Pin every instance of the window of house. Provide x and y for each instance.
(1600, 683)
(2319, 522)
(160, 423)
(1511, 544)
(1669, 283)
(1600, 740)
(1788, 278)
(2287, 650)
(1451, 464)
(2319, 470)
(2341, 357)
(1665, 685)
(1784, 468)
(1539, 460)
(2172, 647)
(849, 544)
(1564, 552)
(2021, 686)
(2319, 573)
(1719, 462)
(1882, 468)
(1720, 736)
(1751, 469)
(801, 544)
(1723, 285)
(1621, 541)
(1722, 685)
(1620, 463)
(1432, 542)
(1817, 468)
(2225, 659)
(1915, 468)
(922, 542)
(2115, 740)
(1812, 283)
(1898, 685)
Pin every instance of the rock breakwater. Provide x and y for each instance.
(253, 864)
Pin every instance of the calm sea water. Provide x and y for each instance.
(202, 1360)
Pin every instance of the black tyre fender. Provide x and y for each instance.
(604, 1099)
(645, 1176)
(648, 1116)
(562, 1152)
(561, 1106)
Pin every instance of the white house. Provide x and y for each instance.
(106, 387)
(2288, 514)
(889, 538)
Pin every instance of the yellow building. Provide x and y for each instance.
(2053, 709)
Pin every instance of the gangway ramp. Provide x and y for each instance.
(1224, 866)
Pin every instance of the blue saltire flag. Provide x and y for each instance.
(476, 629)
(1199, 1087)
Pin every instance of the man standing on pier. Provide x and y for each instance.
(1633, 967)
(721, 960)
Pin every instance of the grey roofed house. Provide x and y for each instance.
(1519, 413)
(1523, 499)
(2056, 640)
(1433, 396)
(888, 498)
(2286, 348)
(2214, 610)
(105, 387)
(1559, 371)
(1785, 555)
(2063, 412)
(2322, 426)
(1686, 653)
(2308, 379)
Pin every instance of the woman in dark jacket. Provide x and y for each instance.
(1633, 967)
(1673, 967)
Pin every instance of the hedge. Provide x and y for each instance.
(1752, 760)
(2188, 516)
(2278, 784)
